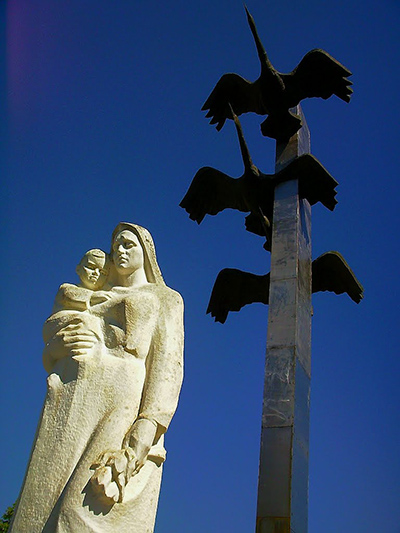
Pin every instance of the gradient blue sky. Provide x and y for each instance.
(102, 123)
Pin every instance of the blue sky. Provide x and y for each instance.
(102, 123)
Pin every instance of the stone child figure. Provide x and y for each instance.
(114, 358)
(92, 271)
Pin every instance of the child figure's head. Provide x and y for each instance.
(93, 269)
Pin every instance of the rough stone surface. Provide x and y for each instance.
(114, 347)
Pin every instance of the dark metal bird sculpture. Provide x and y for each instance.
(212, 191)
(233, 289)
(317, 75)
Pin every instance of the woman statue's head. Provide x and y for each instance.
(127, 253)
(133, 256)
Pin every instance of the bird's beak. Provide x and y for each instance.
(248, 163)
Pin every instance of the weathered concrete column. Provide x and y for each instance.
(282, 504)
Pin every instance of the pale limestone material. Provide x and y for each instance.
(115, 361)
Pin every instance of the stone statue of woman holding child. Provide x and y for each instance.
(114, 353)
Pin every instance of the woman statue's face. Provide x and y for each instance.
(127, 253)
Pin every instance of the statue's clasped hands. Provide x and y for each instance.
(114, 469)
(75, 339)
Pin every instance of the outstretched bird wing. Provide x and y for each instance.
(212, 191)
(232, 89)
(315, 182)
(318, 74)
(330, 272)
(233, 289)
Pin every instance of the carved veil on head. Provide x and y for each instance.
(152, 270)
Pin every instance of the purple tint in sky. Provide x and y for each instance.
(102, 123)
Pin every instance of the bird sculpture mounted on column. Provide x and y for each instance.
(233, 288)
(317, 75)
(212, 191)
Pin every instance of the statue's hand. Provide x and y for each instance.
(77, 339)
(113, 470)
(140, 438)
(74, 339)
